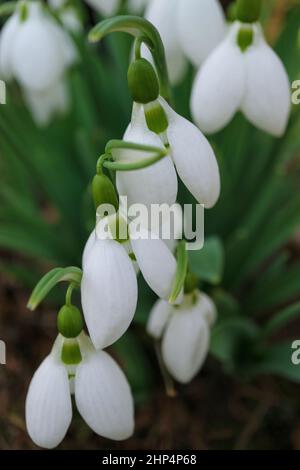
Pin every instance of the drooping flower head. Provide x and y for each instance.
(242, 74)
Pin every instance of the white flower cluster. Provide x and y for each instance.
(36, 51)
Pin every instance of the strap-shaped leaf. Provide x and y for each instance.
(53, 277)
(7, 8)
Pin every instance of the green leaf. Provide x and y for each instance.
(208, 263)
(281, 318)
(277, 360)
(46, 284)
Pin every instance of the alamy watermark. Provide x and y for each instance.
(2, 352)
(296, 92)
(156, 221)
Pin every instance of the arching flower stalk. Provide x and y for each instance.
(184, 333)
(242, 74)
(190, 29)
(37, 52)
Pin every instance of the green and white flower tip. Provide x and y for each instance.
(156, 124)
(36, 51)
(190, 29)
(102, 394)
(242, 74)
(184, 332)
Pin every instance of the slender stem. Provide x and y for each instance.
(124, 145)
(168, 381)
(69, 293)
(139, 28)
(132, 166)
(181, 272)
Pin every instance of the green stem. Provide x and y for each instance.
(147, 33)
(69, 293)
(181, 271)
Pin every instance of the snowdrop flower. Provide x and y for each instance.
(188, 150)
(189, 29)
(242, 73)
(105, 7)
(201, 27)
(36, 52)
(184, 332)
(109, 284)
(102, 394)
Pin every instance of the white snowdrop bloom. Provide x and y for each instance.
(36, 52)
(108, 291)
(201, 27)
(48, 103)
(102, 395)
(185, 333)
(253, 81)
(155, 184)
(105, 7)
(163, 15)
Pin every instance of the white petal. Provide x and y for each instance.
(108, 292)
(207, 308)
(219, 86)
(7, 37)
(46, 104)
(88, 246)
(201, 27)
(158, 318)
(38, 58)
(267, 101)
(103, 397)
(156, 184)
(185, 343)
(194, 158)
(48, 404)
(156, 262)
(105, 7)
(163, 14)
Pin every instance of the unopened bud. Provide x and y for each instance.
(142, 82)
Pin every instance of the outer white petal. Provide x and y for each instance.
(158, 318)
(267, 100)
(103, 397)
(219, 86)
(156, 184)
(48, 404)
(185, 343)
(88, 247)
(163, 14)
(108, 292)
(38, 58)
(46, 104)
(194, 158)
(201, 27)
(105, 7)
(156, 262)
(207, 308)
(7, 37)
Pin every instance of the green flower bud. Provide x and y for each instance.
(142, 82)
(156, 118)
(248, 11)
(23, 11)
(232, 12)
(245, 38)
(191, 282)
(70, 353)
(104, 192)
(69, 321)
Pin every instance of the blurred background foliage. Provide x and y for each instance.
(250, 263)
